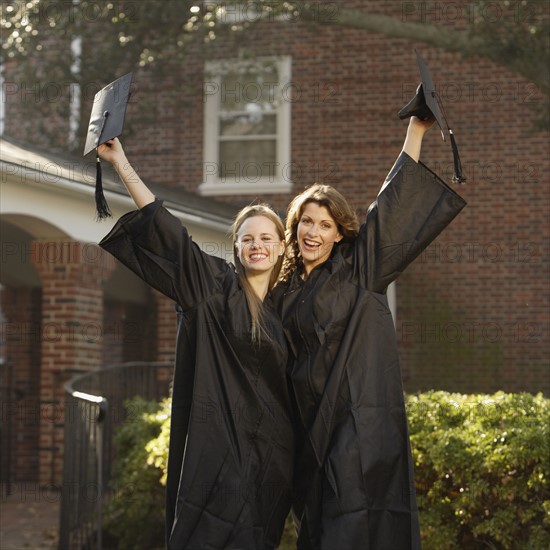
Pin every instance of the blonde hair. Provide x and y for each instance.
(340, 210)
(255, 305)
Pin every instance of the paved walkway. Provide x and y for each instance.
(28, 519)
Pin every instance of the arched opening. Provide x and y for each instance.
(42, 319)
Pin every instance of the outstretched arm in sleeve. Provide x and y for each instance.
(413, 206)
(113, 152)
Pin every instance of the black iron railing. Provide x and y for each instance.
(94, 408)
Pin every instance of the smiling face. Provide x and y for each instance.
(317, 232)
(258, 245)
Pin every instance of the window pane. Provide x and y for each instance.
(248, 160)
(249, 124)
(258, 88)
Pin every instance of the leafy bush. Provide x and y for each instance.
(134, 517)
(482, 470)
(481, 464)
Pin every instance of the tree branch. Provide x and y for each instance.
(464, 42)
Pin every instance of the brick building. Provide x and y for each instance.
(67, 307)
(319, 105)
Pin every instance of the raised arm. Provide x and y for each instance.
(153, 243)
(413, 206)
(113, 152)
(415, 134)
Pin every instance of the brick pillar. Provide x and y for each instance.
(72, 275)
(166, 327)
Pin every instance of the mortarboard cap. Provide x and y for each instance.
(425, 104)
(106, 122)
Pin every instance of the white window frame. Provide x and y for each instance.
(280, 182)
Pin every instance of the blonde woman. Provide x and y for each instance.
(231, 441)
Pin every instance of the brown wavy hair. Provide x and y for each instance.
(255, 305)
(339, 208)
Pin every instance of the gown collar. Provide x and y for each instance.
(330, 265)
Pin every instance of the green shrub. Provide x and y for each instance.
(481, 464)
(482, 469)
(134, 517)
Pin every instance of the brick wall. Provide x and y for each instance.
(20, 334)
(37, 97)
(129, 332)
(165, 328)
(72, 275)
(473, 310)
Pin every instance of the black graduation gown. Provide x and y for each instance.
(354, 485)
(231, 441)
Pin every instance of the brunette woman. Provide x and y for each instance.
(354, 485)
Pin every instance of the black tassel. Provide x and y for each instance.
(101, 205)
(457, 177)
(102, 208)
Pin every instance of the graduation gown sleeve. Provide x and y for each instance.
(413, 206)
(153, 244)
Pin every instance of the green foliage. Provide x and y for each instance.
(481, 463)
(482, 469)
(135, 515)
(512, 29)
(288, 540)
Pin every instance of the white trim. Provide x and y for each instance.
(229, 188)
(3, 98)
(75, 96)
(25, 177)
(212, 184)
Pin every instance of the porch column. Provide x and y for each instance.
(166, 335)
(72, 275)
(166, 327)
